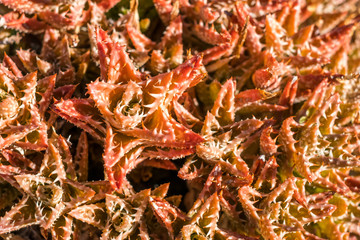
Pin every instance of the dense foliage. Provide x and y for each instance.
(180, 119)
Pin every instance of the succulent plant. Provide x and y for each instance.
(109, 108)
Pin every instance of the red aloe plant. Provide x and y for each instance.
(179, 119)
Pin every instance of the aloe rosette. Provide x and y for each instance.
(253, 105)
